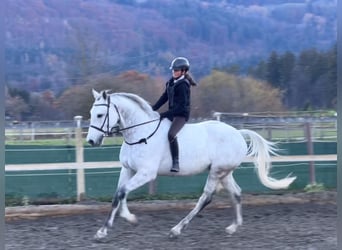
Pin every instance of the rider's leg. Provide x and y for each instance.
(177, 124)
(175, 155)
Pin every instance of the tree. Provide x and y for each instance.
(15, 105)
(287, 63)
(77, 100)
(85, 58)
(331, 88)
(273, 70)
(224, 92)
(259, 71)
(308, 80)
(43, 106)
(307, 87)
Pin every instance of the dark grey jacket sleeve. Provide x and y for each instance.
(162, 100)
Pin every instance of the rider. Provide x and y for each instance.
(177, 93)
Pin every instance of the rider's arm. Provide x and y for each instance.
(163, 99)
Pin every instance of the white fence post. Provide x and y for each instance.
(217, 115)
(32, 131)
(79, 159)
(308, 135)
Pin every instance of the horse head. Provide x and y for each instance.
(102, 118)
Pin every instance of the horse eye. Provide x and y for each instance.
(99, 115)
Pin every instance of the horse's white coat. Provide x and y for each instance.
(206, 145)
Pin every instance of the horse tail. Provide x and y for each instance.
(261, 149)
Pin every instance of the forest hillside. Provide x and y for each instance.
(53, 44)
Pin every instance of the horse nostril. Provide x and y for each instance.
(91, 142)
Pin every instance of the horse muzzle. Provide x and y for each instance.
(91, 142)
(97, 142)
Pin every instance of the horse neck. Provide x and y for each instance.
(131, 115)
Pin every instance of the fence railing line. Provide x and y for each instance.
(117, 164)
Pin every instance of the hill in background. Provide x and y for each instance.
(53, 44)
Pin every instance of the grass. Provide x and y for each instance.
(295, 134)
(316, 187)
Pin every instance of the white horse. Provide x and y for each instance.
(210, 145)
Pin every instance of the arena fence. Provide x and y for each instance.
(53, 173)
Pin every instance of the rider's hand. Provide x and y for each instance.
(163, 115)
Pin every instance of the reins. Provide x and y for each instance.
(142, 140)
(137, 125)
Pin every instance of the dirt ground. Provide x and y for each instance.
(291, 221)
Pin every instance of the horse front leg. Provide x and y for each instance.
(119, 201)
(102, 232)
(203, 201)
(118, 204)
(125, 213)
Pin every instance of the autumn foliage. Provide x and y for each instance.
(218, 91)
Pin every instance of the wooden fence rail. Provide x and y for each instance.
(117, 164)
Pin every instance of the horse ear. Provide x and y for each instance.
(95, 93)
(104, 95)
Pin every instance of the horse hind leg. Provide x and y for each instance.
(203, 201)
(234, 190)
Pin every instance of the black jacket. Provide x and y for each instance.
(177, 93)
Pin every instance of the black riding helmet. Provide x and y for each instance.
(180, 63)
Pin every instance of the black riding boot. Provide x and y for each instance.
(174, 154)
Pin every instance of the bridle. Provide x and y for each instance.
(116, 129)
(109, 131)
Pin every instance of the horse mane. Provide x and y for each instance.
(142, 103)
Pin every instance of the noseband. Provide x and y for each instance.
(113, 130)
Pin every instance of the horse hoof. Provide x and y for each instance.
(133, 219)
(100, 234)
(231, 229)
(174, 234)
